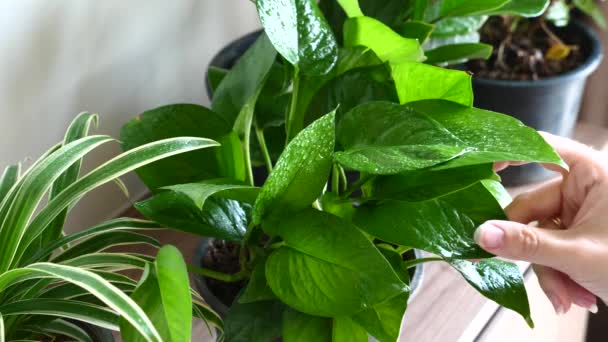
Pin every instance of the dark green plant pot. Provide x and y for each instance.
(222, 308)
(549, 105)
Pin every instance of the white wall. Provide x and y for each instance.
(114, 57)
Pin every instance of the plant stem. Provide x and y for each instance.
(243, 250)
(415, 262)
(292, 127)
(259, 132)
(335, 180)
(356, 185)
(343, 177)
(277, 245)
(229, 278)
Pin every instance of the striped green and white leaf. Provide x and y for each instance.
(117, 302)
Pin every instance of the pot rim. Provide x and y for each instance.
(584, 70)
(222, 309)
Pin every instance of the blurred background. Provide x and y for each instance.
(112, 57)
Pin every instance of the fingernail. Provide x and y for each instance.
(489, 236)
(593, 309)
(557, 303)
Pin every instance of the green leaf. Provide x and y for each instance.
(488, 136)
(462, 8)
(64, 328)
(396, 261)
(419, 8)
(222, 187)
(559, 13)
(395, 139)
(420, 185)
(300, 33)
(418, 81)
(318, 247)
(592, 9)
(79, 311)
(416, 30)
(175, 121)
(112, 169)
(434, 226)
(215, 76)
(230, 157)
(35, 184)
(300, 327)
(9, 177)
(257, 288)
(350, 90)
(254, 322)
(346, 330)
(221, 218)
(499, 281)
(383, 321)
(164, 295)
(449, 226)
(300, 173)
(386, 43)
(1, 328)
(458, 26)
(351, 7)
(104, 241)
(524, 8)
(457, 53)
(244, 80)
(434, 133)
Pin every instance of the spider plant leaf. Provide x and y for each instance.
(8, 179)
(119, 224)
(92, 314)
(34, 186)
(116, 167)
(68, 329)
(101, 242)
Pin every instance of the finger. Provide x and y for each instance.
(501, 165)
(580, 296)
(539, 204)
(522, 242)
(554, 287)
(572, 152)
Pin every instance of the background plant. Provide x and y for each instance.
(322, 255)
(49, 280)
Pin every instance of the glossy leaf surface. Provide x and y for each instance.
(498, 280)
(524, 8)
(221, 187)
(318, 247)
(461, 8)
(221, 218)
(428, 133)
(383, 321)
(300, 173)
(443, 226)
(300, 33)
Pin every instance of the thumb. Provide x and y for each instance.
(518, 241)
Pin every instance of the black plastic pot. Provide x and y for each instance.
(549, 105)
(222, 308)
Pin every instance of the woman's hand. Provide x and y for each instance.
(569, 247)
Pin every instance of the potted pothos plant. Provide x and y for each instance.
(538, 70)
(324, 91)
(69, 287)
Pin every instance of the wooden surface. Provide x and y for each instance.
(446, 308)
